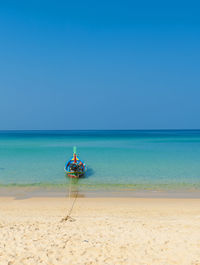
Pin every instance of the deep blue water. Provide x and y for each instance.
(115, 159)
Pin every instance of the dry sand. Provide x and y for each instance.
(105, 231)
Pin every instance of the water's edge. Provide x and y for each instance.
(25, 192)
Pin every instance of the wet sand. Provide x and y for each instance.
(25, 192)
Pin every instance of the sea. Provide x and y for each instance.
(117, 160)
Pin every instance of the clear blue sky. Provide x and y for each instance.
(99, 64)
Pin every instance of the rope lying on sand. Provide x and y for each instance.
(68, 216)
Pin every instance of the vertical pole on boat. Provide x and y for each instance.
(74, 149)
(74, 154)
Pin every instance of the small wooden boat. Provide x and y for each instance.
(75, 167)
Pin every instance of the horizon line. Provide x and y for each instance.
(18, 130)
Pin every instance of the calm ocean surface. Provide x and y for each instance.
(139, 160)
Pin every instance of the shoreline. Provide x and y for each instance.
(49, 192)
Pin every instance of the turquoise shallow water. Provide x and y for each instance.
(152, 160)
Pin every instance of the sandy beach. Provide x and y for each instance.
(102, 231)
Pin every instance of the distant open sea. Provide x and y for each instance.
(116, 160)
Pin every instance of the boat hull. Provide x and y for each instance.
(75, 168)
(75, 174)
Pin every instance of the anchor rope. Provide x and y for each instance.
(68, 216)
